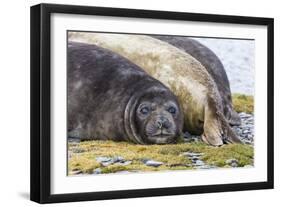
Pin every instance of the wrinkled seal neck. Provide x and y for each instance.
(129, 119)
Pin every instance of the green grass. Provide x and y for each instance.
(243, 103)
(170, 155)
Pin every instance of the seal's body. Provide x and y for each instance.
(184, 75)
(214, 67)
(111, 98)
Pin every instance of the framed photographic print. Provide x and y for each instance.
(133, 103)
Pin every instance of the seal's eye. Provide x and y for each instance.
(144, 110)
(172, 110)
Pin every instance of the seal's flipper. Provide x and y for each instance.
(212, 128)
(229, 134)
(216, 128)
(232, 117)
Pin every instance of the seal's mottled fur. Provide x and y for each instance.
(105, 91)
(183, 74)
(214, 67)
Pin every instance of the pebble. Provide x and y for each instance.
(73, 140)
(128, 162)
(103, 159)
(153, 163)
(78, 150)
(97, 171)
(118, 159)
(192, 154)
(105, 164)
(232, 162)
(106, 161)
(186, 135)
(199, 163)
(192, 138)
(75, 172)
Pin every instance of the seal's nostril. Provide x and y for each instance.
(159, 124)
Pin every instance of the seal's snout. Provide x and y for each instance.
(161, 129)
(163, 123)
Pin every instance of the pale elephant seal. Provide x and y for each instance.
(111, 98)
(214, 67)
(183, 74)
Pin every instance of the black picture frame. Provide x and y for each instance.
(41, 98)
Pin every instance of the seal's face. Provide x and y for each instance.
(159, 119)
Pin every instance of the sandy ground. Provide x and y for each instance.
(238, 59)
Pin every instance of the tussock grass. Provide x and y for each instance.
(243, 103)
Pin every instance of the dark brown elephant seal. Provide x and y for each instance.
(111, 98)
(214, 67)
(185, 76)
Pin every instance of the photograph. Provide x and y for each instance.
(129, 103)
(141, 103)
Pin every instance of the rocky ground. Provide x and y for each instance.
(245, 131)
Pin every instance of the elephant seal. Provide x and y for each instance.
(111, 98)
(184, 75)
(214, 67)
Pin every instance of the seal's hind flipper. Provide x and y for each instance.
(216, 128)
(229, 135)
(212, 128)
(232, 117)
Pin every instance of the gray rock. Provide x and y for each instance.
(78, 150)
(194, 159)
(103, 159)
(105, 164)
(192, 154)
(128, 162)
(249, 136)
(118, 159)
(73, 140)
(245, 131)
(153, 163)
(75, 172)
(199, 163)
(144, 160)
(186, 135)
(244, 115)
(247, 142)
(97, 171)
(232, 162)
